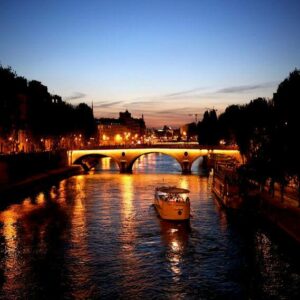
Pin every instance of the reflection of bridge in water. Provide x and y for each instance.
(125, 157)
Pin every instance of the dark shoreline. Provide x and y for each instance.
(285, 220)
(36, 181)
(282, 216)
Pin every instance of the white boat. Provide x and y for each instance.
(172, 203)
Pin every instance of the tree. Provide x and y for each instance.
(85, 122)
(29, 105)
(287, 106)
(208, 129)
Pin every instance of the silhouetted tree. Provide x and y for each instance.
(266, 133)
(29, 105)
(85, 120)
(208, 130)
(12, 95)
(285, 135)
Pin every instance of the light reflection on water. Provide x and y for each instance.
(98, 235)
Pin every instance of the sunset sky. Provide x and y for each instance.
(168, 60)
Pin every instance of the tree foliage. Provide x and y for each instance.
(28, 105)
(266, 132)
(208, 130)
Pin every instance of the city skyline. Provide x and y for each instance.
(167, 60)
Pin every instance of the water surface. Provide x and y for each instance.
(98, 236)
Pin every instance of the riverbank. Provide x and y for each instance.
(281, 211)
(33, 181)
(284, 214)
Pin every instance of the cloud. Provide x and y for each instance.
(245, 88)
(157, 99)
(185, 92)
(143, 102)
(106, 104)
(175, 111)
(75, 96)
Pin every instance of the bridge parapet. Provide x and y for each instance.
(179, 145)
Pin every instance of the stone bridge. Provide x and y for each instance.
(126, 156)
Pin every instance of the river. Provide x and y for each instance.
(98, 236)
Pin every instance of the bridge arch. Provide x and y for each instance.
(89, 161)
(196, 159)
(131, 163)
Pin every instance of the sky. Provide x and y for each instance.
(169, 60)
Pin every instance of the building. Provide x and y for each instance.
(189, 132)
(167, 134)
(125, 130)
